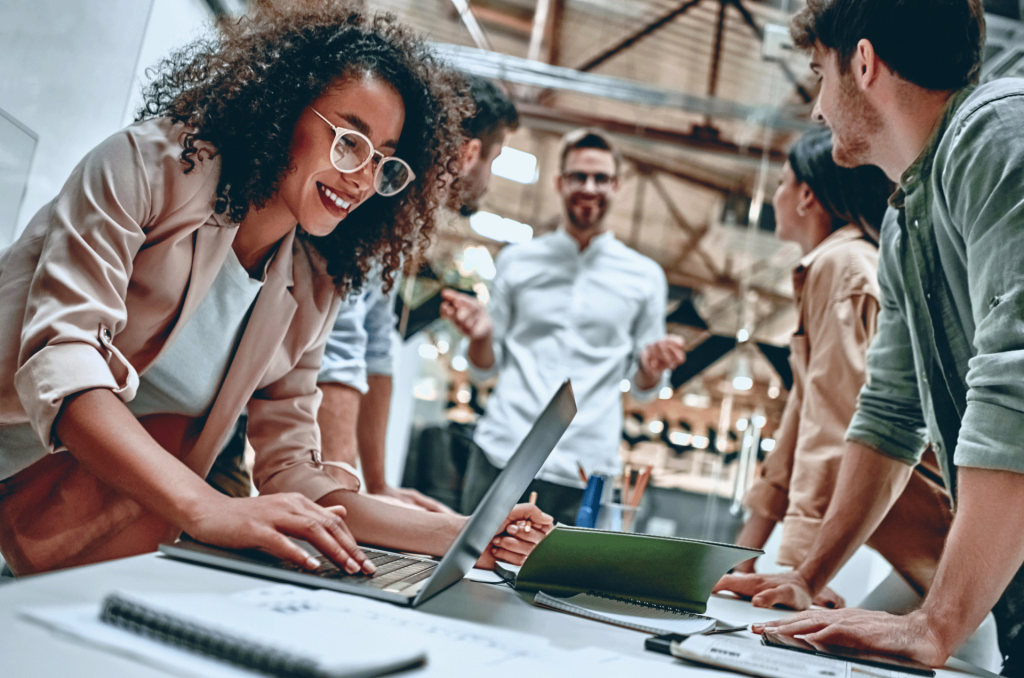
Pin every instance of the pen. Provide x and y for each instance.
(526, 524)
(583, 474)
(641, 485)
(627, 471)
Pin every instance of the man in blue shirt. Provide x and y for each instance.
(355, 375)
(946, 369)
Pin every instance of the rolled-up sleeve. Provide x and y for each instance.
(344, 359)
(76, 300)
(986, 199)
(283, 431)
(889, 418)
(648, 328)
(380, 321)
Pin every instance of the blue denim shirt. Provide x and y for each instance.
(360, 342)
(947, 365)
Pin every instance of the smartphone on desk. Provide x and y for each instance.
(770, 639)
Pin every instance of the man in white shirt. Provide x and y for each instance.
(575, 303)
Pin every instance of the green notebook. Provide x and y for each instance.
(667, 571)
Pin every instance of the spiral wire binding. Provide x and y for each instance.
(131, 616)
(644, 603)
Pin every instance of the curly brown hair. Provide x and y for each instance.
(243, 90)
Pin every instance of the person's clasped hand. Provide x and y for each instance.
(467, 314)
(661, 355)
(524, 528)
(783, 589)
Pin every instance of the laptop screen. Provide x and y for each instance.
(510, 485)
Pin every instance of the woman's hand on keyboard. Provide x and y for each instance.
(522, 530)
(266, 522)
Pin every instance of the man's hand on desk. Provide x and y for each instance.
(408, 497)
(524, 528)
(784, 589)
(907, 635)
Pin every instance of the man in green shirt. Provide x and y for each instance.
(947, 365)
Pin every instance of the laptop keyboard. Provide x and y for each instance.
(394, 572)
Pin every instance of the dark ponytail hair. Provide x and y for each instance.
(850, 196)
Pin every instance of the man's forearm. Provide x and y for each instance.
(371, 431)
(867, 486)
(984, 549)
(481, 352)
(337, 420)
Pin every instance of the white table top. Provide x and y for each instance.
(28, 650)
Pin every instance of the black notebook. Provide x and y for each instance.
(274, 641)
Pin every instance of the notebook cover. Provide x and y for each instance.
(668, 571)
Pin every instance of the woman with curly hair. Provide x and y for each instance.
(191, 268)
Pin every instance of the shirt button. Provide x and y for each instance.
(916, 223)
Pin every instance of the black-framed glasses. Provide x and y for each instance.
(602, 181)
(352, 150)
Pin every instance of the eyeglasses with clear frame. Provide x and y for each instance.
(602, 182)
(352, 150)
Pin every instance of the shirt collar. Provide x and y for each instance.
(839, 238)
(922, 166)
(597, 243)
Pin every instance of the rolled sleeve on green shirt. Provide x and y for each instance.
(989, 208)
(889, 416)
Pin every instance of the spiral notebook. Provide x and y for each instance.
(632, 614)
(278, 641)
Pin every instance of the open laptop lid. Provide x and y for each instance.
(510, 485)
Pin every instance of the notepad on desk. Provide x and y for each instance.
(214, 635)
(637, 615)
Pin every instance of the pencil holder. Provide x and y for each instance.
(616, 517)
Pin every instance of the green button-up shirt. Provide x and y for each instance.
(947, 364)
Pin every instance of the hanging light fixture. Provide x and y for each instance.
(742, 379)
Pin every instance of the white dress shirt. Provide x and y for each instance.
(560, 313)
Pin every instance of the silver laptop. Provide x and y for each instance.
(400, 578)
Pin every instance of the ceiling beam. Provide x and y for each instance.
(759, 32)
(696, 139)
(639, 35)
(489, 64)
(500, 20)
(716, 56)
(472, 25)
(554, 32)
(538, 30)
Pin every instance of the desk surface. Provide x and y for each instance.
(28, 650)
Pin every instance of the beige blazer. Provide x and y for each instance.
(102, 279)
(837, 293)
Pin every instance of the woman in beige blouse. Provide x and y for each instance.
(192, 266)
(834, 215)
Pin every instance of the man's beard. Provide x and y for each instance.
(859, 120)
(470, 191)
(599, 212)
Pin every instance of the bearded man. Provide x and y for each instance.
(575, 303)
